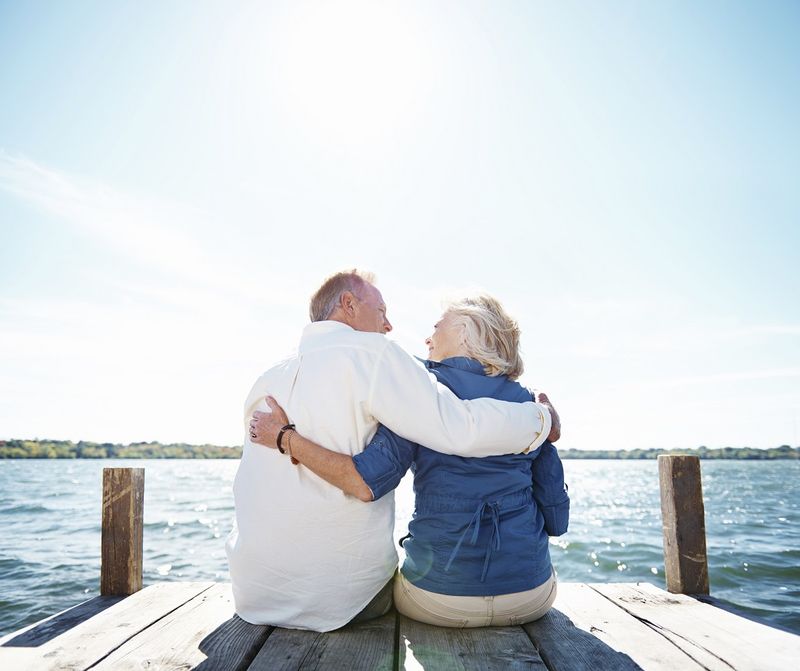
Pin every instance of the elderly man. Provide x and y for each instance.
(303, 554)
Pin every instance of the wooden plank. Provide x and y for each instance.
(364, 646)
(203, 632)
(715, 638)
(47, 629)
(18, 659)
(683, 524)
(585, 631)
(422, 646)
(92, 639)
(122, 527)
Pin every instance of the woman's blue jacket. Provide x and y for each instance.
(480, 525)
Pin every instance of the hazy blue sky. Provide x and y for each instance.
(176, 178)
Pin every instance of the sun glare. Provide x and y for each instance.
(356, 72)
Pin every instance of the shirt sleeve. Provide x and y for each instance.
(550, 490)
(408, 399)
(384, 462)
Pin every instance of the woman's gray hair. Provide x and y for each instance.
(490, 335)
(326, 298)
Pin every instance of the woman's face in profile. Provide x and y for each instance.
(446, 340)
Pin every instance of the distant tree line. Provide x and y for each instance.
(782, 452)
(66, 449)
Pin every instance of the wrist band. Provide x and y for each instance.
(289, 446)
(280, 437)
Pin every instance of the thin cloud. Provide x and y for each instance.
(139, 228)
(148, 232)
(772, 329)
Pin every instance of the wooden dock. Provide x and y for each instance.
(610, 626)
(179, 626)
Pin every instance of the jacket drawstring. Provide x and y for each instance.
(475, 523)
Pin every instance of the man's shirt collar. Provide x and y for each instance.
(315, 332)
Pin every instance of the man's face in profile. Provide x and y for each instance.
(370, 312)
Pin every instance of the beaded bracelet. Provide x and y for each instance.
(280, 437)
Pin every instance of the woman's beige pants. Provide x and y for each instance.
(444, 610)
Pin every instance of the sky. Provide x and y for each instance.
(177, 178)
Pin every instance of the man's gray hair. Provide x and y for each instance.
(326, 298)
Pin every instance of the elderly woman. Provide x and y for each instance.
(477, 548)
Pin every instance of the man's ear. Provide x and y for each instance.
(347, 303)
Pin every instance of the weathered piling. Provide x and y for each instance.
(683, 523)
(122, 527)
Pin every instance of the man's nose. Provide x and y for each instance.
(387, 326)
(428, 342)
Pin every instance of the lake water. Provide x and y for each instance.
(50, 522)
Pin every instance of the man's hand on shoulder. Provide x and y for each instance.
(555, 428)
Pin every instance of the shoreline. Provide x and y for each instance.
(67, 449)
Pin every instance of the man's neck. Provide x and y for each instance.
(342, 319)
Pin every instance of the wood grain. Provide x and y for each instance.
(45, 630)
(598, 626)
(365, 646)
(122, 527)
(715, 638)
(584, 630)
(90, 640)
(486, 648)
(203, 633)
(683, 524)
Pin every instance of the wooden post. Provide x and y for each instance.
(683, 522)
(121, 544)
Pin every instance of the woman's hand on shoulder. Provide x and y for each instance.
(265, 426)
